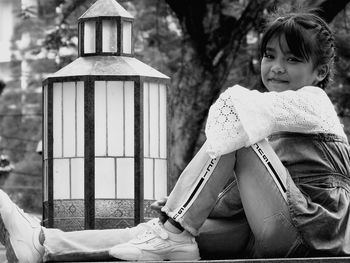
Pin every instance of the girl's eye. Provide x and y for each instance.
(268, 56)
(294, 59)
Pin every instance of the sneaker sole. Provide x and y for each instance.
(185, 254)
(5, 240)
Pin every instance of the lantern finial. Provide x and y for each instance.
(106, 8)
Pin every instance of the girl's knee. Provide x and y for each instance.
(247, 160)
(258, 152)
(246, 154)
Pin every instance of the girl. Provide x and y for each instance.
(285, 197)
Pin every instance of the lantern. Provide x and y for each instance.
(105, 129)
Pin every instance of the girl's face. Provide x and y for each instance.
(281, 70)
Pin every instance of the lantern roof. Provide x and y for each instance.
(106, 8)
(108, 66)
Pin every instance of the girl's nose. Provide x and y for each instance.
(278, 68)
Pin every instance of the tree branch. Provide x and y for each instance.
(330, 8)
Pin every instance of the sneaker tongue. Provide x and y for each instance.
(159, 230)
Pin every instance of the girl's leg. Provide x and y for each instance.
(196, 191)
(262, 182)
(224, 238)
(21, 234)
(86, 244)
(226, 233)
(190, 203)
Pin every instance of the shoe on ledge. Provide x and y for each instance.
(19, 233)
(156, 243)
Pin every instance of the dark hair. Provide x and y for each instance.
(307, 35)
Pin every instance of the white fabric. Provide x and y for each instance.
(241, 117)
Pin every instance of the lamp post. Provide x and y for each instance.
(105, 129)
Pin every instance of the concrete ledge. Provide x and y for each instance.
(275, 260)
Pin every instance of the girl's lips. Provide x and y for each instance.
(279, 80)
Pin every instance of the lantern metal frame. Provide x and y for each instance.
(89, 149)
(88, 68)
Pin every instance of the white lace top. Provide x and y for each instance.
(241, 117)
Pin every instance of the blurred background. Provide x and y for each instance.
(204, 46)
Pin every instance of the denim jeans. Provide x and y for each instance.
(319, 194)
(234, 203)
(254, 182)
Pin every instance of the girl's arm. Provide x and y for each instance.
(242, 117)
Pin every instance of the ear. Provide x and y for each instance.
(322, 72)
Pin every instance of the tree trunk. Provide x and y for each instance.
(203, 74)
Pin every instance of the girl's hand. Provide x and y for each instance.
(157, 205)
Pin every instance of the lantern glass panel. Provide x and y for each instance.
(105, 178)
(80, 119)
(61, 179)
(89, 37)
(115, 118)
(109, 36)
(127, 35)
(162, 121)
(129, 118)
(125, 178)
(149, 178)
(57, 120)
(100, 118)
(154, 119)
(160, 178)
(69, 128)
(68, 119)
(77, 178)
(114, 123)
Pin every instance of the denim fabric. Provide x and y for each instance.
(319, 166)
(242, 200)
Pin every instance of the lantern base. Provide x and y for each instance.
(68, 215)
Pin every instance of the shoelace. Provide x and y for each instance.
(153, 228)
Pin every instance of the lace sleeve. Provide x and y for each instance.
(224, 129)
(242, 117)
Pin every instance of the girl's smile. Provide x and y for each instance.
(277, 80)
(281, 70)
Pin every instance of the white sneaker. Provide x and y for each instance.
(156, 243)
(19, 233)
